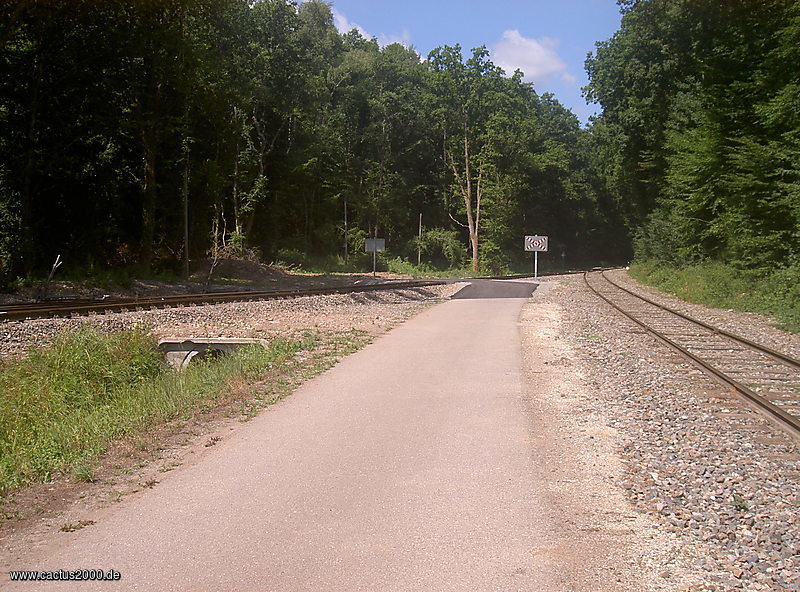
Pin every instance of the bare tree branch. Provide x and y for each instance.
(457, 221)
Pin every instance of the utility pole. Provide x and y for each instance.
(346, 254)
(186, 218)
(419, 242)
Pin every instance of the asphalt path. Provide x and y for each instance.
(495, 289)
(407, 467)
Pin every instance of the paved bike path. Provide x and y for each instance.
(406, 467)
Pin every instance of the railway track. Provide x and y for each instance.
(765, 378)
(68, 308)
(85, 307)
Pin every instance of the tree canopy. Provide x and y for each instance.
(699, 136)
(256, 125)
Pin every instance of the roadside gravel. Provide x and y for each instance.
(713, 474)
(371, 312)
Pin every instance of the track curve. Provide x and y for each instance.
(764, 377)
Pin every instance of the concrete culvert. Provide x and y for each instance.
(179, 352)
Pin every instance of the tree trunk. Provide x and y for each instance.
(26, 207)
(346, 247)
(150, 198)
(465, 182)
(186, 216)
(149, 109)
(237, 216)
(472, 220)
(419, 242)
(473, 239)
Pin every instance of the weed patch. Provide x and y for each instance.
(62, 405)
(73, 526)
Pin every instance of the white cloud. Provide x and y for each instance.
(343, 25)
(403, 38)
(537, 58)
(569, 79)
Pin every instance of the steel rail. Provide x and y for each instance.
(744, 341)
(61, 308)
(786, 419)
(45, 310)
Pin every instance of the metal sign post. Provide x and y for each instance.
(374, 245)
(536, 244)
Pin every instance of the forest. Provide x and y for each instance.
(698, 143)
(256, 128)
(700, 130)
(153, 133)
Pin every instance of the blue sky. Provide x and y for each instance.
(546, 39)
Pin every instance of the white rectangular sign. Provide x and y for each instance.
(375, 245)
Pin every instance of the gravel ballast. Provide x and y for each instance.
(712, 472)
(371, 312)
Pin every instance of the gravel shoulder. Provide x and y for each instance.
(606, 543)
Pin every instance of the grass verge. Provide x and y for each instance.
(775, 293)
(63, 405)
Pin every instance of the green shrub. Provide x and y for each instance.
(62, 405)
(493, 259)
(442, 245)
(404, 267)
(779, 294)
(290, 258)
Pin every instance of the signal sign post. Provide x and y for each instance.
(536, 244)
(374, 246)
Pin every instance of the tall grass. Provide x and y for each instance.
(62, 405)
(775, 293)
